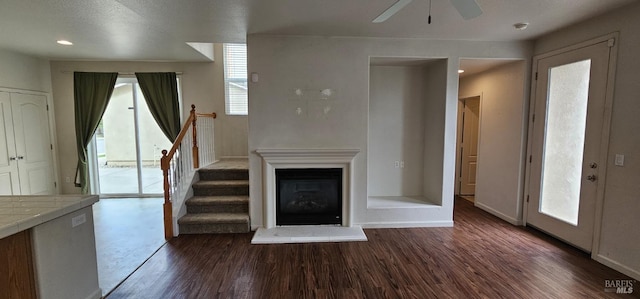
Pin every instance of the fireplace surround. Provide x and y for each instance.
(277, 159)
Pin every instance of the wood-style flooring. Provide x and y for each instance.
(480, 257)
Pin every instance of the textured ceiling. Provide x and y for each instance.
(159, 29)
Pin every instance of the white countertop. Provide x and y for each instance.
(19, 213)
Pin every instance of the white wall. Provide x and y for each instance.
(342, 64)
(202, 85)
(396, 130)
(502, 133)
(440, 115)
(620, 236)
(232, 130)
(24, 72)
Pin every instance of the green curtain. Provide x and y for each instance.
(160, 91)
(91, 92)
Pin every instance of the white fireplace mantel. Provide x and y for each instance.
(273, 159)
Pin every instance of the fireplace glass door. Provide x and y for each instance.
(309, 196)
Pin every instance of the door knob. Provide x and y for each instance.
(592, 177)
(20, 157)
(593, 165)
(12, 158)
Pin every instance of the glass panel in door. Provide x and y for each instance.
(564, 140)
(152, 141)
(129, 144)
(116, 144)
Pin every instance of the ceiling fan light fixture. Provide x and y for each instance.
(520, 26)
(468, 9)
(392, 10)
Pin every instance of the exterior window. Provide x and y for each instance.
(235, 79)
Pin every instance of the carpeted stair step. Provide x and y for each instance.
(214, 223)
(207, 174)
(221, 188)
(218, 204)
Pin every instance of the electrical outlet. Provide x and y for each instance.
(619, 160)
(397, 164)
(401, 164)
(67, 180)
(80, 219)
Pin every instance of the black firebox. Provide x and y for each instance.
(308, 196)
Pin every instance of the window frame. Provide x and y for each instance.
(235, 107)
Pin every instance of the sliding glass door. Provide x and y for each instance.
(127, 146)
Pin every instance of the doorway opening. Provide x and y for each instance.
(467, 147)
(491, 135)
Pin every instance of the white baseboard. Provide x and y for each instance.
(406, 224)
(617, 266)
(234, 157)
(500, 215)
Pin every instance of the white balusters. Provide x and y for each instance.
(178, 163)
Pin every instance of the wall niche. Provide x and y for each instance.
(406, 128)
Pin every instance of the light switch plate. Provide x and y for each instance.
(619, 160)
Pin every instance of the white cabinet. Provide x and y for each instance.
(64, 253)
(26, 162)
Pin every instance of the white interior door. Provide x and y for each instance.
(567, 131)
(469, 145)
(33, 145)
(9, 183)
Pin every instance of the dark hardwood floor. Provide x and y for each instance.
(480, 257)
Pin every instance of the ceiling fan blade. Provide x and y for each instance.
(468, 9)
(391, 11)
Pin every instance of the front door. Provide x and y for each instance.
(567, 136)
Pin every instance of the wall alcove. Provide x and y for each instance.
(406, 108)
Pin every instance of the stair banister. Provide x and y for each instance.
(194, 134)
(179, 164)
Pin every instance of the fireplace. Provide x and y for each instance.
(282, 159)
(309, 196)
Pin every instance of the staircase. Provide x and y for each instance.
(221, 200)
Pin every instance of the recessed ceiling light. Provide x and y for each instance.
(64, 42)
(460, 71)
(520, 26)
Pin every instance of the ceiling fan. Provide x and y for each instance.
(468, 9)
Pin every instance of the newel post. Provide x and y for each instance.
(196, 156)
(167, 206)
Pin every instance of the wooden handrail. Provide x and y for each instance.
(165, 165)
(183, 132)
(212, 114)
(185, 128)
